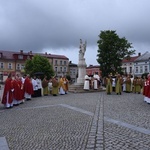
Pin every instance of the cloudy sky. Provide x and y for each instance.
(56, 26)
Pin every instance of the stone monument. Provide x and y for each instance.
(81, 64)
(78, 86)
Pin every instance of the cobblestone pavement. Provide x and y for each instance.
(81, 121)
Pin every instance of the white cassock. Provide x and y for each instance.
(132, 83)
(87, 82)
(124, 84)
(96, 80)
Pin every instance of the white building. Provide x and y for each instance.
(128, 64)
(142, 64)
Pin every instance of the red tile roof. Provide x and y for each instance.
(9, 54)
(130, 60)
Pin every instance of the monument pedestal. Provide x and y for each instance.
(81, 71)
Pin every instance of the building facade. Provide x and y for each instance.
(91, 69)
(14, 62)
(137, 65)
(128, 65)
(73, 71)
(142, 64)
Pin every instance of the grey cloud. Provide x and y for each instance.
(54, 24)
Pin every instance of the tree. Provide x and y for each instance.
(111, 50)
(39, 64)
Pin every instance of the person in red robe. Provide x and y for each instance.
(22, 90)
(146, 89)
(7, 98)
(28, 88)
(17, 97)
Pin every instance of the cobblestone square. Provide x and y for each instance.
(78, 121)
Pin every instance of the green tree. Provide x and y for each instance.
(111, 50)
(39, 64)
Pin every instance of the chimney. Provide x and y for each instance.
(139, 54)
(21, 51)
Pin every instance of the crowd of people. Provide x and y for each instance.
(18, 89)
(128, 84)
(120, 83)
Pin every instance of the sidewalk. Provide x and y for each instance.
(81, 121)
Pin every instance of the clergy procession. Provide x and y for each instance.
(120, 83)
(18, 89)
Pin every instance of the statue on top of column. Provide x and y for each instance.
(82, 49)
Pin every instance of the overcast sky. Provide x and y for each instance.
(56, 26)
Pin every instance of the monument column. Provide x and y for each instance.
(81, 64)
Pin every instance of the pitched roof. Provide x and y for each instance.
(9, 54)
(93, 66)
(144, 57)
(132, 59)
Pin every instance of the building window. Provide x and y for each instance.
(136, 69)
(125, 69)
(74, 71)
(55, 69)
(9, 65)
(55, 62)
(22, 66)
(61, 62)
(20, 56)
(64, 62)
(130, 69)
(141, 69)
(64, 69)
(2, 65)
(18, 67)
(60, 69)
(146, 70)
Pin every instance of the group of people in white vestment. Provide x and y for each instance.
(92, 81)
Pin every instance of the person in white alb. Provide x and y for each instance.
(35, 87)
(39, 83)
(96, 81)
(87, 82)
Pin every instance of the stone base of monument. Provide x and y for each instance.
(78, 88)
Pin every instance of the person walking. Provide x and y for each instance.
(119, 82)
(128, 84)
(87, 80)
(28, 88)
(7, 98)
(45, 86)
(39, 83)
(96, 81)
(108, 83)
(17, 93)
(62, 86)
(55, 86)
